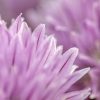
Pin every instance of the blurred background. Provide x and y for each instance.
(32, 10)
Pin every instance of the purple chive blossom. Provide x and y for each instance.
(78, 24)
(32, 67)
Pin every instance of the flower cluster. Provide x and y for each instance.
(32, 67)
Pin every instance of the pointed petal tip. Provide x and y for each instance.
(39, 29)
(52, 39)
(41, 26)
(85, 70)
(74, 50)
(87, 92)
(89, 89)
(19, 16)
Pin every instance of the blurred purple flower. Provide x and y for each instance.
(70, 18)
(11, 8)
(78, 24)
(35, 17)
(33, 68)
